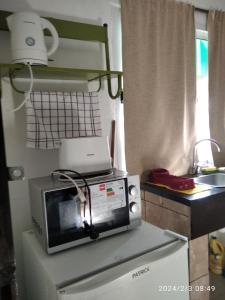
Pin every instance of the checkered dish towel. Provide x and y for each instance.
(52, 116)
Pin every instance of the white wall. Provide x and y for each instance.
(71, 54)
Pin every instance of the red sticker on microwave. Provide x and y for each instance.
(102, 187)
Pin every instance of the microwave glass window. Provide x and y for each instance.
(70, 214)
(64, 219)
(65, 213)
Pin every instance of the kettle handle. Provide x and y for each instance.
(9, 21)
(47, 25)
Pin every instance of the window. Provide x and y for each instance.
(202, 111)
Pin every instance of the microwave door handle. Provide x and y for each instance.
(115, 273)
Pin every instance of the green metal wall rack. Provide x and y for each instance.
(77, 31)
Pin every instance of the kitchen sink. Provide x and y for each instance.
(214, 180)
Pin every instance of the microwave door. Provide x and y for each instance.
(146, 277)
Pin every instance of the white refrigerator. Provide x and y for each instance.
(146, 263)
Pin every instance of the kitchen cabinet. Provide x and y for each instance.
(198, 252)
(206, 209)
(168, 214)
(195, 294)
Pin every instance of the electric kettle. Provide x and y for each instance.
(27, 38)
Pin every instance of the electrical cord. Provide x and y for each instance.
(90, 229)
(11, 77)
(108, 175)
(79, 191)
(80, 194)
(27, 94)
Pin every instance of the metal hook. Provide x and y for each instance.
(119, 90)
(100, 84)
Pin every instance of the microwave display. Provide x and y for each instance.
(65, 214)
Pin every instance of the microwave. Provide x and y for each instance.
(60, 221)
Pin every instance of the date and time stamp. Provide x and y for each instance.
(186, 288)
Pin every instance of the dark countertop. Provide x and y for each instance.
(207, 207)
(188, 200)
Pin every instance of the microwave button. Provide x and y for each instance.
(133, 207)
(133, 190)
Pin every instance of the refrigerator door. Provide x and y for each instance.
(160, 274)
(72, 265)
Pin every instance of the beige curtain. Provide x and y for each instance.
(216, 38)
(159, 84)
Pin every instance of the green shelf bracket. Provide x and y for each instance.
(119, 89)
(77, 31)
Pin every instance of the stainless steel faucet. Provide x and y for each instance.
(194, 170)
